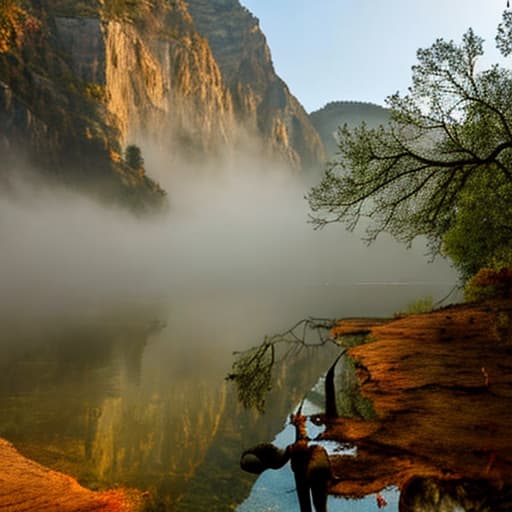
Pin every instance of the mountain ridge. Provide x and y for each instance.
(334, 114)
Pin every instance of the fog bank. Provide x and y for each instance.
(240, 228)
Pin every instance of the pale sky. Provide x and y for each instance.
(328, 50)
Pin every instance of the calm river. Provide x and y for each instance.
(118, 334)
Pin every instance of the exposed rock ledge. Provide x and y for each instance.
(26, 485)
(441, 385)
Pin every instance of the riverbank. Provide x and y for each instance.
(441, 386)
(26, 485)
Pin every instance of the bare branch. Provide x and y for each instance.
(252, 369)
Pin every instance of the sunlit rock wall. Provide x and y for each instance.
(191, 78)
(163, 83)
(261, 99)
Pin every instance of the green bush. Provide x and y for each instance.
(133, 157)
(421, 305)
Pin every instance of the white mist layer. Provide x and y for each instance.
(243, 228)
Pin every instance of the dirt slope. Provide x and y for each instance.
(441, 384)
(26, 486)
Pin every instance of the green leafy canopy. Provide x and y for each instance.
(447, 148)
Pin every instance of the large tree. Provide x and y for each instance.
(449, 141)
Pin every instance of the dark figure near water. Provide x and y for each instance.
(310, 464)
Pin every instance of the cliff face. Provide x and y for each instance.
(262, 101)
(163, 84)
(82, 38)
(90, 78)
(53, 113)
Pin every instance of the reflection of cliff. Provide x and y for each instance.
(180, 433)
(52, 391)
(240, 429)
(86, 404)
(157, 440)
(116, 401)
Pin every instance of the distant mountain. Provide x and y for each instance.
(337, 113)
(79, 81)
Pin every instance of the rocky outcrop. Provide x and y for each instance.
(53, 113)
(18, 124)
(441, 390)
(262, 101)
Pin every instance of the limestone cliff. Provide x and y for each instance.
(261, 99)
(173, 79)
(53, 114)
(163, 84)
(157, 76)
(190, 77)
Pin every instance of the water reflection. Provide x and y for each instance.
(127, 399)
(275, 490)
(136, 394)
(411, 471)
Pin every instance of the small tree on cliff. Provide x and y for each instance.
(133, 157)
(447, 147)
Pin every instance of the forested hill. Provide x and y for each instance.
(353, 113)
(80, 81)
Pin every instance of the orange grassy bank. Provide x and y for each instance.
(441, 385)
(28, 486)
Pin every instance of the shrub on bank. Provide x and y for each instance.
(488, 283)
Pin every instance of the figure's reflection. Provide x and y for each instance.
(310, 465)
(310, 462)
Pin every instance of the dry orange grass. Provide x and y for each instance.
(441, 384)
(26, 486)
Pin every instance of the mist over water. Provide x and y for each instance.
(118, 331)
(241, 228)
